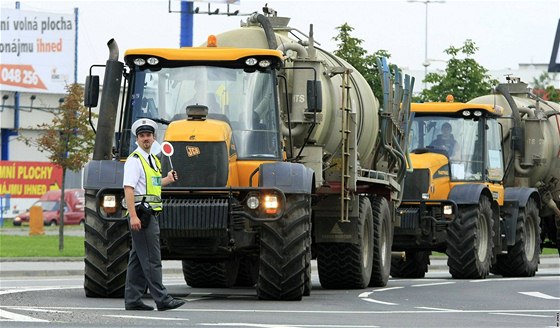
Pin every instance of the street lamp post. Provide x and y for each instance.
(426, 62)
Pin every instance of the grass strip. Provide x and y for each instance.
(40, 246)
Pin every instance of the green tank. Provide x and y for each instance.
(531, 136)
(362, 101)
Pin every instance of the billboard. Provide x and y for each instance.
(29, 179)
(37, 51)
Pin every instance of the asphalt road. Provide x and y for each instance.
(436, 301)
(49, 293)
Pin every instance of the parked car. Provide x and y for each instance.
(50, 202)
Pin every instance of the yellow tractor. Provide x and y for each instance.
(454, 199)
(283, 155)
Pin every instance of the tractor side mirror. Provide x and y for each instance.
(314, 96)
(518, 139)
(91, 91)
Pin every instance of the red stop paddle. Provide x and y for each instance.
(167, 150)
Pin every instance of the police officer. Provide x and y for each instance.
(142, 190)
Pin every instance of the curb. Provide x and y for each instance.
(60, 273)
(80, 259)
(438, 264)
(41, 259)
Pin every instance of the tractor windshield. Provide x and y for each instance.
(461, 140)
(245, 99)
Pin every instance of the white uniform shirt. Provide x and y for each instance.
(134, 175)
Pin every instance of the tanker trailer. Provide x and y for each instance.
(280, 158)
(531, 128)
(454, 196)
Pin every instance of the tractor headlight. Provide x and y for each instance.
(447, 209)
(251, 61)
(270, 204)
(109, 204)
(264, 63)
(153, 61)
(139, 61)
(253, 202)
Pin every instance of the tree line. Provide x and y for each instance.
(463, 77)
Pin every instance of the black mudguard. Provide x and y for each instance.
(290, 178)
(468, 194)
(103, 174)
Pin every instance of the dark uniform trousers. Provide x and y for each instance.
(144, 267)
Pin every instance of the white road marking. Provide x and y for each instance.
(504, 279)
(34, 309)
(438, 309)
(365, 296)
(34, 289)
(378, 302)
(239, 324)
(434, 284)
(386, 289)
(540, 295)
(427, 310)
(524, 315)
(145, 317)
(9, 316)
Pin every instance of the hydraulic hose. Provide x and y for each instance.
(267, 27)
(518, 167)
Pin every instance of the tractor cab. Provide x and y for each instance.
(456, 143)
(237, 86)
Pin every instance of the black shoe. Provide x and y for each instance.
(138, 307)
(173, 304)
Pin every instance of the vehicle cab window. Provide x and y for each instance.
(494, 156)
(461, 140)
(244, 99)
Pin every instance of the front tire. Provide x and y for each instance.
(470, 241)
(382, 242)
(220, 274)
(522, 259)
(107, 245)
(283, 252)
(347, 265)
(413, 265)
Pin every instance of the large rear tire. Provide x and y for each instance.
(382, 242)
(522, 259)
(307, 285)
(470, 241)
(283, 252)
(107, 245)
(413, 265)
(221, 274)
(346, 265)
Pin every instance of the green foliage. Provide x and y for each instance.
(350, 49)
(68, 138)
(464, 78)
(544, 87)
